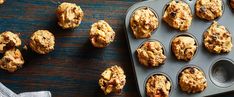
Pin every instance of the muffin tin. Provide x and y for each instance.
(218, 68)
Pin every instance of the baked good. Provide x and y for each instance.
(12, 60)
(178, 15)
(218, 39)
(209, 9)
(158, 85)
(151, 54)
(2, 1)
(42, 41)
(69, 15)
(231, 4)
(143, 22)
(8, 40)
(101, 34)
(192, 80)
(184, 47)
(112, 79)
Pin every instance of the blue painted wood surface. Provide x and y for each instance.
(74, 67)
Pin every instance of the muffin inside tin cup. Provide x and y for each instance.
(216, 19)
(188, 35)
(158, 73)
(151, 40)
(189, 66)
(152, 10)
(222, 72)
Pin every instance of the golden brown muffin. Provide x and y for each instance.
(112, 79)
(143, 22)
(209, 9)
(151, 54)
(178, 15)
(69, 15)
(158, 86)
(192, 80)
(218, 39)
(184, 47)
(2, 1)
(101, 34)
(8, 40)
(12, 60)
(42, 41)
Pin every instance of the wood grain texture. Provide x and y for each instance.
(74, 67)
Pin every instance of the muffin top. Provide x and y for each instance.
(151, 54)
(101, 34)
(178, 15)
(217, 39)
(69, 15)
(184, 47)
(143, 22)
(192, 80)
(158, 86)
(209, 9)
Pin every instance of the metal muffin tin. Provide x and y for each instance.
(218, 68)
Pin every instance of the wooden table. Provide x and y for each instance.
(74, 67)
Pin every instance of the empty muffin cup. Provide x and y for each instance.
(221, 72)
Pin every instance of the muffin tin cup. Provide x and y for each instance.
(216, 19)
(156, 15)
(152, 40)
(185, 67)
(221, 72)
(185, 34)
(158, 73)
(203, 59)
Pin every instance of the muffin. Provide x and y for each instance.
(232, 4)
(101, 34)
(2, 1)
(178, 15)
(217, 39)
(42, 41)
(12, 60)
(184, 47)
(9, 40)
(192, 80)
(208, 9)
(112, 79)
(158, 86)
(143, 22)
(151, 54)
(69, 15)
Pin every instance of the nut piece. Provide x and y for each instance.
(69, 15)
(192, 80)
(151, 54)
(209, 9)
(232, 4)
(143, 22)
(158, 86)
(8, 40)
(112, 80)
(178, 15)
(184, 47)
(42, 41)
(12, 60)
(217, 39)
(2, 1)
(101, 34)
